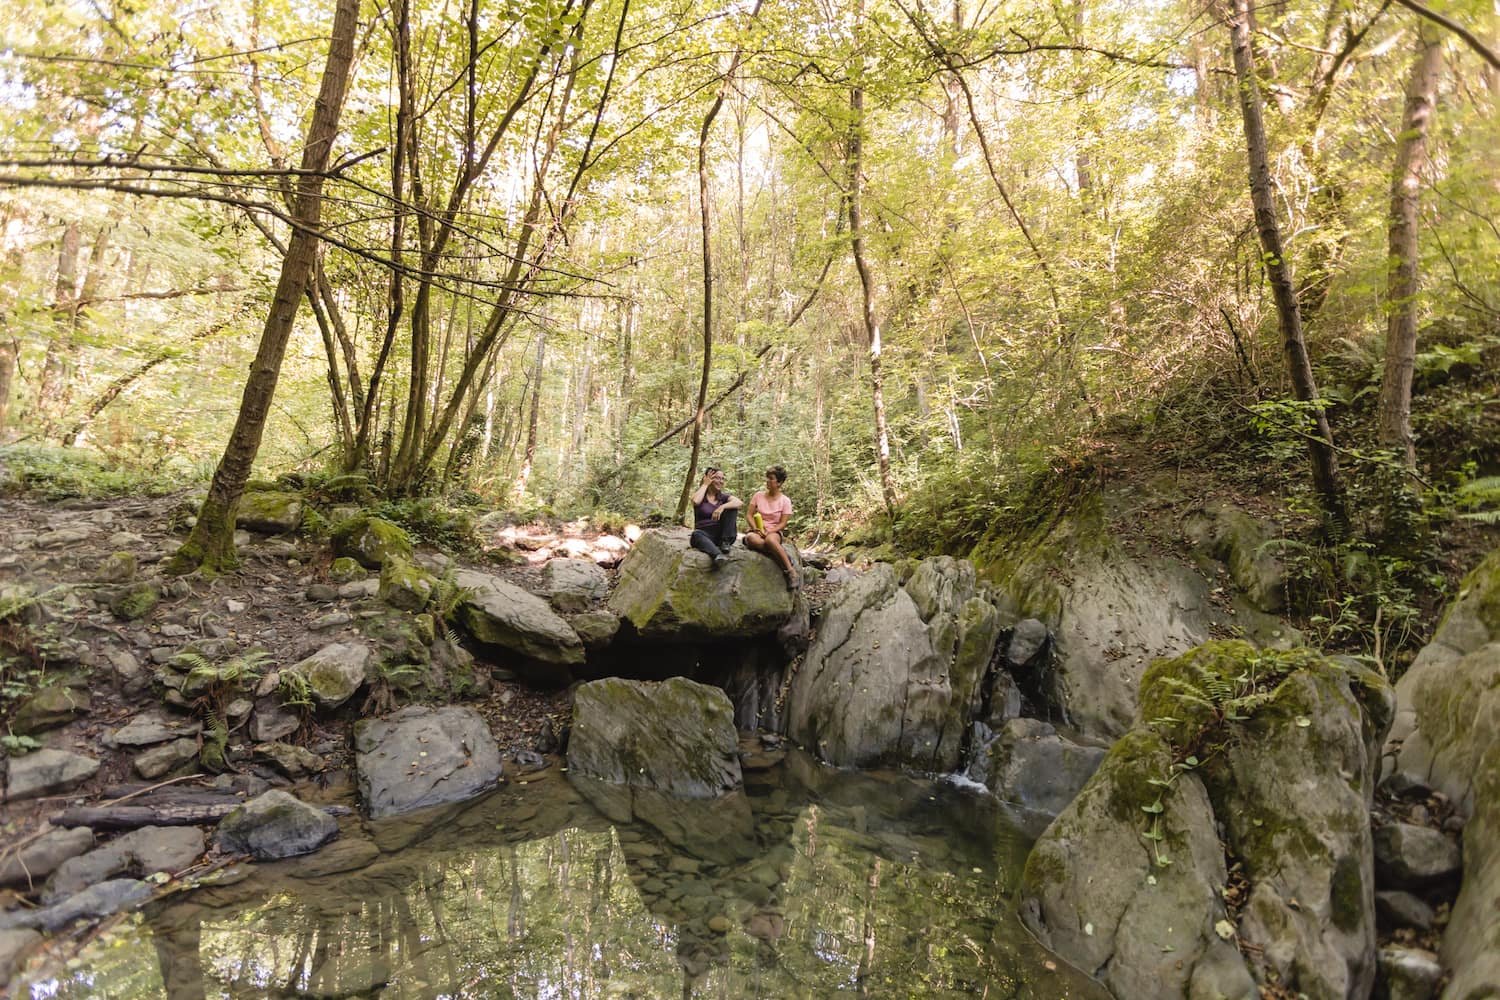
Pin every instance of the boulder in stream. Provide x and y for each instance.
(276, 825)
(422, 756)
(670, 592)
(1276, 749)
(895, 675)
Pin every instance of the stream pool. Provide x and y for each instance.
(816, 883)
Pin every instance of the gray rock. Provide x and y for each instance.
(575, 584)
(275, 825)
(675, 736)
(883, 684)
(164, 759)
(52, 706)
(1091, 893)
(669, 591)
(118, 567)
(46, 772)
(138, 853)
(1409, 857)
(323, 592)
(14, 944)
(124, 662)
(292, 761)
(1247, 547)
(1396, 909)
(1447, 735)
(345, 569)
(269, 512)
(359, 589)
(335, 672)
(422, 756)
(1288, 792)
(1032, 766)
(40, 858)
(61, 537)
(1407, 974)
(498, 613)
(1026, 643)
(272, 721)
(150, 728)
(596, 629)
(95, 902)
(330, 621)
(1005, 701)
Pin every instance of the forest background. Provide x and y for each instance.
(942, 263)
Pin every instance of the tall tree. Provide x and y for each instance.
(705, 222)
(211, 544)
(1325, 464)
(1404, 281)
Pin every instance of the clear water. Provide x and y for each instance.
(817, 883)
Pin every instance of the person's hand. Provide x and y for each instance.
(715, 515)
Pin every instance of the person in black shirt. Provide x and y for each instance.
(714, 528)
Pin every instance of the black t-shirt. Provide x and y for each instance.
(703, 513)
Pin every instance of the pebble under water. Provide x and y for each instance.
(816, 883)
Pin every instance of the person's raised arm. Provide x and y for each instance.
(702, 490)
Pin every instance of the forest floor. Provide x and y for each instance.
(266, 604)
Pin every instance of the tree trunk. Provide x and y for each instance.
(867, 288)
(1325, 465)
(1404, 283)
(64, 310)
(211, 544)
(9, 350)
(536, 409)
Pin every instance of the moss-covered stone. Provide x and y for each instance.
(405, 585)
(371, 541)
(273, 512)
(135, 602)
(118, 567)
(345, 569)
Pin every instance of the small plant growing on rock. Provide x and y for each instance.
(211, 685)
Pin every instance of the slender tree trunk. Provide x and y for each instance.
(211, 544)
(1325, 466)
(64, 310)
(1404, 282)
(536, 408)
(9, 350)
(867, 288)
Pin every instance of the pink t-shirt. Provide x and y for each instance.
(773, 512)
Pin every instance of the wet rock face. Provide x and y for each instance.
(675, 736)
(421, 756)
(670, 592)
(1029, 764)
(275, 825)
(895, 675)
(1288, 783)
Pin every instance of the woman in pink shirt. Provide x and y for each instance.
(774, 508)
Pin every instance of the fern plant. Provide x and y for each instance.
(1483, 492)
(212, 685)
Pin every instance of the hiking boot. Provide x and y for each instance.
(720, 560)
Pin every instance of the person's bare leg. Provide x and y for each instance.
(773, 542)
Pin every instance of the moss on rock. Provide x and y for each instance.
(371, 541)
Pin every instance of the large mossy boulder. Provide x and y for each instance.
(335, 672)
(1447, 735)
(895, 675)
(275, 825)
(499, 613)
(371, 541)
(675, 736)
(270, 512)
(664, 753)
(1112, 608)
(670, 592)
(1277, 750)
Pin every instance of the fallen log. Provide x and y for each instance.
(133, 817)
